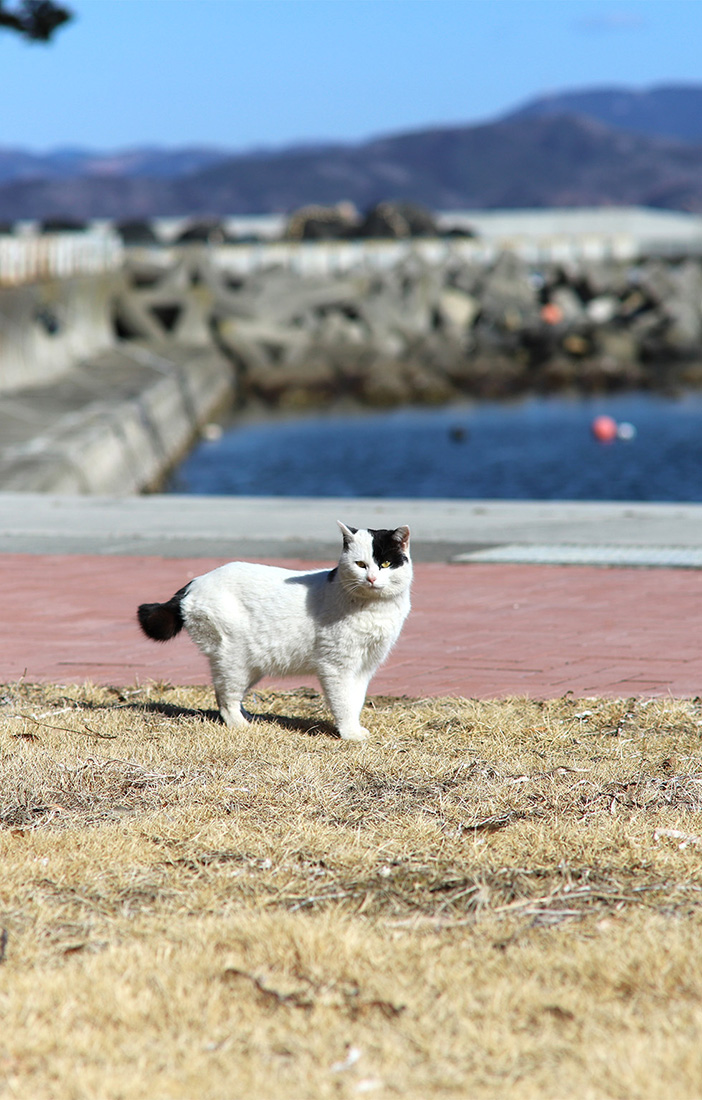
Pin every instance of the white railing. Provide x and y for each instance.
(334, 257)
(33, 259)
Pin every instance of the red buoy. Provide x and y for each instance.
(604, 429)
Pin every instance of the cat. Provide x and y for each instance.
(259, 620)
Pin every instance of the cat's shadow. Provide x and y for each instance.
(311, 727)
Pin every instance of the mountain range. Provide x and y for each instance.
(606, 146)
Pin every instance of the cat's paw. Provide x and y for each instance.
(360, 733)
(234, 716)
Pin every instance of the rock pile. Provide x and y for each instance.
(422, 332)
(392, 221)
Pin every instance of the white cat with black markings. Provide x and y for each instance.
(258, 620)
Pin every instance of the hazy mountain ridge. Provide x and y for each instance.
(18, 164)
(543, 154)
(669, 111)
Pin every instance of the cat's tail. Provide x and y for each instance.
(162, 621)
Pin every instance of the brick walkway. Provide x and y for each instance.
(475, 630)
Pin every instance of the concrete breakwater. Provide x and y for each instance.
(49, 325)
(411, 326)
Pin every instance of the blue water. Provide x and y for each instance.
(538, 449)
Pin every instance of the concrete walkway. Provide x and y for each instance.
(75, 568)
(190, 526)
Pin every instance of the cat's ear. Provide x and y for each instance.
(401, 535)
(347, 532)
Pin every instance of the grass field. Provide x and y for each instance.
(496, 899)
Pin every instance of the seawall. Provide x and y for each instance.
(113, 424)
(84, 412)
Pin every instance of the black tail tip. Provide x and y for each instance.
(160, 621)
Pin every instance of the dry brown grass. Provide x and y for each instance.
(485, 900)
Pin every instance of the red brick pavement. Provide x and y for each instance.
(475, 630)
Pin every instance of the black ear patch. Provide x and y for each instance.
(387, 548)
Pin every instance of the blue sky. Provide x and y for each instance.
(241, 74)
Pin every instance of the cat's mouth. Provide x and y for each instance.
(373, 588)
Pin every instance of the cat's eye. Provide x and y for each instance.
(361, 565)
(385, 565)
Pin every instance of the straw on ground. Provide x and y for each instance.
(486, 899)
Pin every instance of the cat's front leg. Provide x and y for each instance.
(345, 695)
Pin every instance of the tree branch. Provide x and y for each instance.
(35, 19)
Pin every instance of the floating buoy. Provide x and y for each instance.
(626, 431)
(457, 433)
(604, 429)
(212, 432)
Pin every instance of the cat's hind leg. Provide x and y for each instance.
(231, 682)
(345, 693)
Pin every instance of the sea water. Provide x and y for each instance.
(537, 449)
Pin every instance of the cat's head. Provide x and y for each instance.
(375, 564)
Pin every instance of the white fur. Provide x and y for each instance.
(256, 620)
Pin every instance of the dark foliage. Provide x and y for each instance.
(34, 19)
